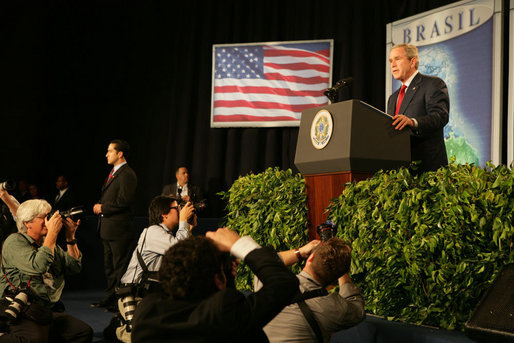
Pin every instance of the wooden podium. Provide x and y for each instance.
(344, 142)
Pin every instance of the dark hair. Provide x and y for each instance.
(159, 206)
(331, 260)
(178, 168)
(189, 267)
(64, 176)
(121, 145)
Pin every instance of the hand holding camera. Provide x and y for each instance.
(54, 224)
(307, 249)
(71, 227)
(187, 212)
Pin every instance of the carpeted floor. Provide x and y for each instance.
(77, 304)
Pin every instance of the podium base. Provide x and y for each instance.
(321, 188)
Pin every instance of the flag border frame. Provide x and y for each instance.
(259, 124)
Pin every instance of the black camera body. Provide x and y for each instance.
(71, 213)
(198, 206)
(327, 230)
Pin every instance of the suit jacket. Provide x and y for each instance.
(194, 191)
(118, 195)
(426, 100)
(225, 316)
(65, 202)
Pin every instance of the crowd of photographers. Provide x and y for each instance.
(177, 287)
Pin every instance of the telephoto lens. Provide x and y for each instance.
(14, 308)
(126, 294)
(129, 305)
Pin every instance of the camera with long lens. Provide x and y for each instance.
(327, 230)
(14, 304)
(126, 293)
(7, 185)
(71, 213)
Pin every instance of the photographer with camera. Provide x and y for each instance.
(314, 315)
(197, 305)
(141, 278)
(35, 267)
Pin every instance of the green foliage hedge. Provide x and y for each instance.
(271, 207)
(425, 248)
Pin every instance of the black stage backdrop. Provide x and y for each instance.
(75, 74)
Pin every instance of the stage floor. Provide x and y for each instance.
(77, 304)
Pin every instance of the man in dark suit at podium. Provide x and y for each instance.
(423, 104)
(116, 226)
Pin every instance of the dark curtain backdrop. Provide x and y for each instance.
(76, 74)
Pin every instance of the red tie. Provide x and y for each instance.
(110, 176)
(400, 98)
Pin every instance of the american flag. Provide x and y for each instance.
(269, 84)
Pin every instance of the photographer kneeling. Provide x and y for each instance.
(33, 265)
(169, 224)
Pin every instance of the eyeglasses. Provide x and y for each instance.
(175, 208)
(42, 216)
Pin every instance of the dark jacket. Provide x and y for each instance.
(426, 100)
(118, 195)
(225, 316)
(194, 191)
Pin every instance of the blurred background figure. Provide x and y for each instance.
(64, 199)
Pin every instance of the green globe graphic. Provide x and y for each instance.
(438, 62)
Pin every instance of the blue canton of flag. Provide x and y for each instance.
(240, 63)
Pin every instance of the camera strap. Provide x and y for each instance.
(3, 269)
(146, 272)
(307, 312)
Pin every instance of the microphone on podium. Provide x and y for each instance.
(332, 92)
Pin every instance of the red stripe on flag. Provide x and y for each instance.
(266, 90)
(325, 52)
(299, 66)
(296, 79)
(243, 117)
(293, 53)
(264, 105)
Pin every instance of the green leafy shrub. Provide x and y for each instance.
(425, 248)
(271, 207)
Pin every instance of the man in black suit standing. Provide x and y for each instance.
(183, 189)
(116, 226)
(423, 104)
(63, 200)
